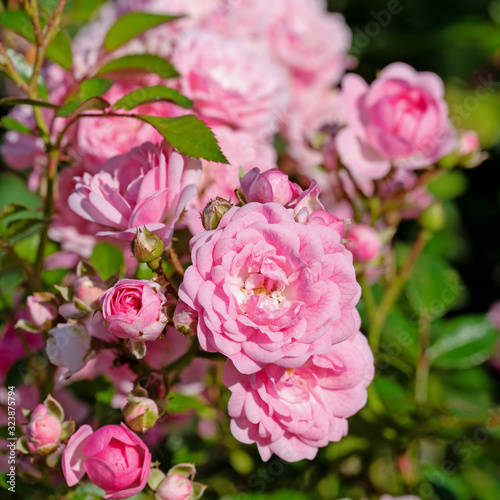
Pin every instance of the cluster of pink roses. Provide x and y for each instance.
(275, 291)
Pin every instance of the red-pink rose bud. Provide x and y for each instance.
(364, 242)
(43, 431)
(213, 213)
(269, 186)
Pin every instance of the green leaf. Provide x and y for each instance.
(153, 94)
(141, 62)
(131, 25)
(180, 403)
(94, 87)
(449, 185)
(434, 287)
(14, 101)
(59, 51)
(463, 342)
(13, 190)
(11, 124)
(107, 259)
(189, 135)
(75, 108)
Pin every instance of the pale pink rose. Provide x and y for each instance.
(292, 413)
(174, 487)
(230, 82)
(272, 185)
(150, 186)
(115, 459)
(268, 289)
(400, 120)
(315, 112)
(243, 151)
(68, 346)
(469, 149)
(135, 309)
(364, 242)
(43, 431)
(311, 42)
(41, 312)
(88, 290)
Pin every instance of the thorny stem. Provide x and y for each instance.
(393, 292)
(174, 258)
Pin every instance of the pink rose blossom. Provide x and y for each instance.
(400, 120)
(135, 309)
(230, 82)
(292, 413)
(311, 42)
(268, 289)
(43, 431)
(149, 186)
(364, 242)
(115, 459)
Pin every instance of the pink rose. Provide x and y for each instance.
(400, 120)
(149, 186)
(135, 309)
(272, 185)
(292, 413)
(43, 431)
(268, 289)
(364, 242)
(114, 458)
(310, 41)
(175, 487)
(230, 82)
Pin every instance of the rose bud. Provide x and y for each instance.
(272, 185)
(185, 319)
(364, 242)
(88, 291)
(115, 459)
(146, 246)
(43, 431)
(140, 413)
(41, 310)
(68, 346)
(179, 487)
(135, 309)
(213, 213)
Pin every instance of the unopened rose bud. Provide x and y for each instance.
(179, 487)
(433, 218)
(271, 185)
(41, 309)
(185, 319)
(88, 291)
(140, 413)
(364, 242)
(43, 432)
(146, 246)
(213, 213)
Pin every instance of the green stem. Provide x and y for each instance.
(394, 291)
(367, 294)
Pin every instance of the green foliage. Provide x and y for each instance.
(144, 62)
(189, 135)
(10, 124)
(131, 25)
(153, 94)
(107, 259)
(462, 343)
(76, 108)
